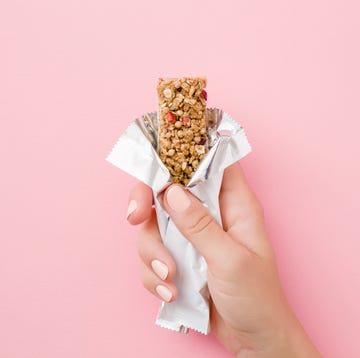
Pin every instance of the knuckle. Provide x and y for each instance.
(201, 223)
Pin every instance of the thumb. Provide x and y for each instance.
(196, 223)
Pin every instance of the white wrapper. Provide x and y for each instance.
(136, 153)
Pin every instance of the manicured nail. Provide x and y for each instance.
(160, 269)
(164, 293)
(177, 199)
(131, 208)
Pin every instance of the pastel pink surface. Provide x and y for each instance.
(73, 74)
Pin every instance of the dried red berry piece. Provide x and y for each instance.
(170, 117)
(202, 141)
(186, 120)
(204, 94)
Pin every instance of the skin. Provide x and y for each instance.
(250, 315)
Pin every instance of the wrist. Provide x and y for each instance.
(287, 339)
(298, 342)
(291, 341)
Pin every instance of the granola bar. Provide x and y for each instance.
(182, 125)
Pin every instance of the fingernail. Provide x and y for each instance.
(177, 199)
(160, 269)
(164, 293)
(131, 208)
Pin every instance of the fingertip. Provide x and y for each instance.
(176, 198)
(172, 269)
(160, 269)
(163, 266)
(140, 204)
(164, 290)
(167, 293)
(132, 207)
(170, 266)
(140, 214)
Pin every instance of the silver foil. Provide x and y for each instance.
(136, 152)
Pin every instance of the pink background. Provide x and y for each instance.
(74, 73)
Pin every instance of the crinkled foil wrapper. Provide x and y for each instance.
(136, 152)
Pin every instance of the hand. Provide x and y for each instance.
(249, 315)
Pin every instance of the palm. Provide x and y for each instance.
(234, 311)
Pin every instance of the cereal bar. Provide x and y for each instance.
(182, 125)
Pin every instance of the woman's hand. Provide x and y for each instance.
(249, 312)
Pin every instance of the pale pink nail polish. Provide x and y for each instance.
(177, 198)
(160, 269)
(131, 208)
(164, 293)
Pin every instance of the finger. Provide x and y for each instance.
(166, 291)
(152, 251)
(140, 203)
(197, 224)
(241, 212)
(237, 200)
